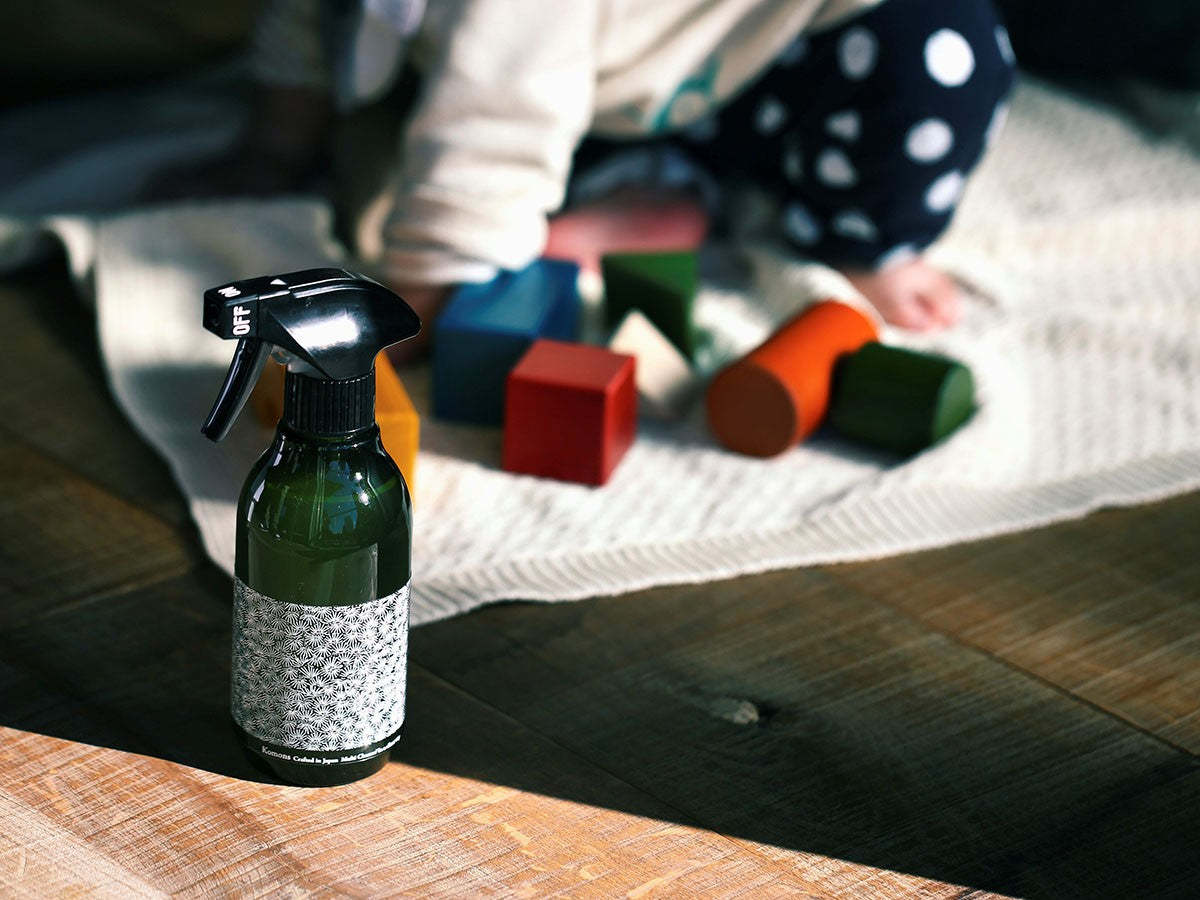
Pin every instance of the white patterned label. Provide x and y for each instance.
(319, 678)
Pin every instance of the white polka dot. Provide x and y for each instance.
(770, 115)
(929, 140)
(793, 162)
(794, 52)
(855, 224)
(857, 52)
(834, 168)
(945, 191)
(801, 225)
(996, 126)
(1005, 44)
(898, 255)
(846, 125)
(948, 57)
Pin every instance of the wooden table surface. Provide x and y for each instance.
(1016, 716)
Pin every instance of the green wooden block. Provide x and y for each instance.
(899, 399)
(661, 285)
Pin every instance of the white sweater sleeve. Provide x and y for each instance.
(508, 94)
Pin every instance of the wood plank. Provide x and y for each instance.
(144, 671)
(155, 826)
(63, 539)
(178, 809)
(1105, 608)
(55, 395)
(38, 858)
(787, 710)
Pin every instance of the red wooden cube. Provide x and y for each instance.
(570, 412)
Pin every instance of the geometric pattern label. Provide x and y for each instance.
(319, 678)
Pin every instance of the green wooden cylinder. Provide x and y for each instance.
(898, 399)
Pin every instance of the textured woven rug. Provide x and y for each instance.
(1078, 242)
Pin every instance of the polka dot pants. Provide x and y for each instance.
(867, 132)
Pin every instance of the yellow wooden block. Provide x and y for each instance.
(399, 423)
(267, 397)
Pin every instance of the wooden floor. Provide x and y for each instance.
(1017, 716)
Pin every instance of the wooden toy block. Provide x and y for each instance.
(570, 412)
(399, 422)
(485, 328)
(661, 285)
(898, 399)
(666, 384)
(776, 395)
(267, 397)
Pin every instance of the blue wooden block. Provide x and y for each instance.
(484, 330)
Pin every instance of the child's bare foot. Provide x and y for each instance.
(911, 294)
(644, 219)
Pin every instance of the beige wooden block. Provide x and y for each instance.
(666, 384)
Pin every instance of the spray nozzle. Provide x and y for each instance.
(330, 321)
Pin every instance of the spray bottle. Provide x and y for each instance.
(324, 527)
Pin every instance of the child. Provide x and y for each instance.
(863, 119)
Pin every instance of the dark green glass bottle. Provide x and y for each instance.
(324, 521)
(324, 530)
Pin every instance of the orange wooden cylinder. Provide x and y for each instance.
(776, 395)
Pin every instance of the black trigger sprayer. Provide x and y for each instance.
(324, 527)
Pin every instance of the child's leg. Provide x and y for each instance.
(867, 133)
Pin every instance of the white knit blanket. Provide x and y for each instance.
(1079, 242)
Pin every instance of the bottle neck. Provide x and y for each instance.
(328, 407)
